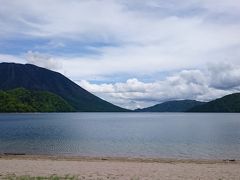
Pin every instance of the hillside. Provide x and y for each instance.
(172, 106)
(229, 103)
(32, 77)
(22, 100)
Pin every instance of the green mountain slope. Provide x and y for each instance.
(229, 103)
(32, 77)
(171, 106)
(22, 100)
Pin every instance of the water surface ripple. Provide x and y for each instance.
(155, 135)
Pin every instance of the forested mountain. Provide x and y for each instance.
(229, 103)
(35, 78)
(172, 106)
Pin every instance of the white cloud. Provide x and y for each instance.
(11, 58)
(42, 60)
(186, 84)
(224, 76)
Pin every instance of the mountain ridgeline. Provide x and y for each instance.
(29, 88)
(229, 103)
(35, 78)
(172, 106)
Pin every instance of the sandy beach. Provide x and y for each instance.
(118, 168)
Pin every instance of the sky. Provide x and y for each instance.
(133, 53)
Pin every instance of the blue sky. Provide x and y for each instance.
(133, 53)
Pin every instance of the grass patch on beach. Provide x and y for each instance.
(52, 177)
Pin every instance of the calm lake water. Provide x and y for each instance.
(159, 135)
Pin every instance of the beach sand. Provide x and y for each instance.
(119, 168)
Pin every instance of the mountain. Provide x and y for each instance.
(22, 100)
(35, 78)
(229, 103)
(172, 106)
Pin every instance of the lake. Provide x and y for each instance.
(147, 135)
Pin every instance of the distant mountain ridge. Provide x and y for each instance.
(32, 77)
(172, 106)
(229, 103)
(21, 84)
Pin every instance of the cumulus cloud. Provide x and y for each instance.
(42, 60)
(11, 58)
(224, 75)
(186, 84)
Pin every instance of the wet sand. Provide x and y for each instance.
(119, 168)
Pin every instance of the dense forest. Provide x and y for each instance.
(22, 100)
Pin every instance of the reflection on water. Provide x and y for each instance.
(162, 135)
